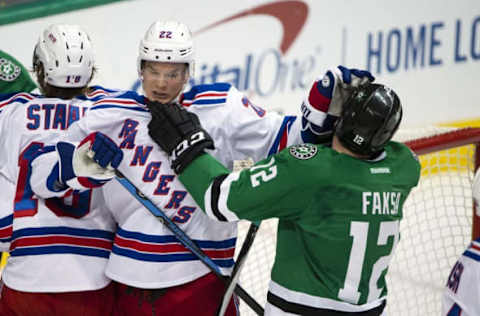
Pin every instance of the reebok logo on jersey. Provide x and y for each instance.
(8, 70)
(379, 170)
(304, 151)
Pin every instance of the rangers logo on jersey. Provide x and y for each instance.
(8, 70)
(304, 151)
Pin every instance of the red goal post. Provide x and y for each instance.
(453, 139)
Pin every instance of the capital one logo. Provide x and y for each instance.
(291, 14)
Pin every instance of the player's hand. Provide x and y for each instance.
(178, 132)
(89, 164)
(324, 101)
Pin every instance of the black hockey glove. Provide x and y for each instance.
(178, 132)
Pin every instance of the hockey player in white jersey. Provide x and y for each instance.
(155, 273)
(461, 296)
(14, 78)
(59, 246)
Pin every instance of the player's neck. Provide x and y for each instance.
(338, 147)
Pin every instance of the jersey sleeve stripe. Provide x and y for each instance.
(167, 248)
(118, 102)
(208, 202)
(202, 89)
(205, 97)
(215, 194)
(165, 239)
(55, 240)
(224, 263)
(223, 196)
(100, 91)
(60, 249)
(170, 248)
(210, 94)
(62, 230)
(281, 140)
(6, 228)
(108, 106)
(204, 101)
(19, 97)
(473, 251)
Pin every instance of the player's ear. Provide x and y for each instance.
(187, 74)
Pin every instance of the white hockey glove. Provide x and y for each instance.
(476, 191)
(324, 101)
(90, 164)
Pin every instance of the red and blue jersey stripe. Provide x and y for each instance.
(127, 101)
(22, 97)
(206, 94)
(281, 141)
(167, 248)
(6, 228)
(473, 251)
(61, 240)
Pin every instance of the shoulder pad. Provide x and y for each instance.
(215, 93)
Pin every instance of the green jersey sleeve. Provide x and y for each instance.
(267, 189)
(13, 75)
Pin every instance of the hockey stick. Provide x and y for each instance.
(242, 257)
(185, 240)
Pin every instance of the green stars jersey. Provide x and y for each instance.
(13, 76)
(338, 219)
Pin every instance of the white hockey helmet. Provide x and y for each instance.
(66, 54)
(167, 41)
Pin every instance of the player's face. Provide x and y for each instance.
(163, 82)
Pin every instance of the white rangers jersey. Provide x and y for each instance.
(145, 253)
(7, 194)
(7, 191)
(58, 244)
(462, 293)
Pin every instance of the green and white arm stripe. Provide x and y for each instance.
(216, 198)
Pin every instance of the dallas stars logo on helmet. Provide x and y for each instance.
(8, 70)
(304, 151)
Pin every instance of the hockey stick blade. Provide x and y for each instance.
(242, 257)
(185, 240)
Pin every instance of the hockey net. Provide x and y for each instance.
(438, 224)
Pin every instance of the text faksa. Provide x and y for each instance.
(380, 203)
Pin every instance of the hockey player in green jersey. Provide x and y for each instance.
(13, 75)
(339, 206)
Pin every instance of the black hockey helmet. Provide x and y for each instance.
(369, 119)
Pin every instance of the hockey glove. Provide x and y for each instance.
(178, 132)
(90, 164)
(324, 101)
